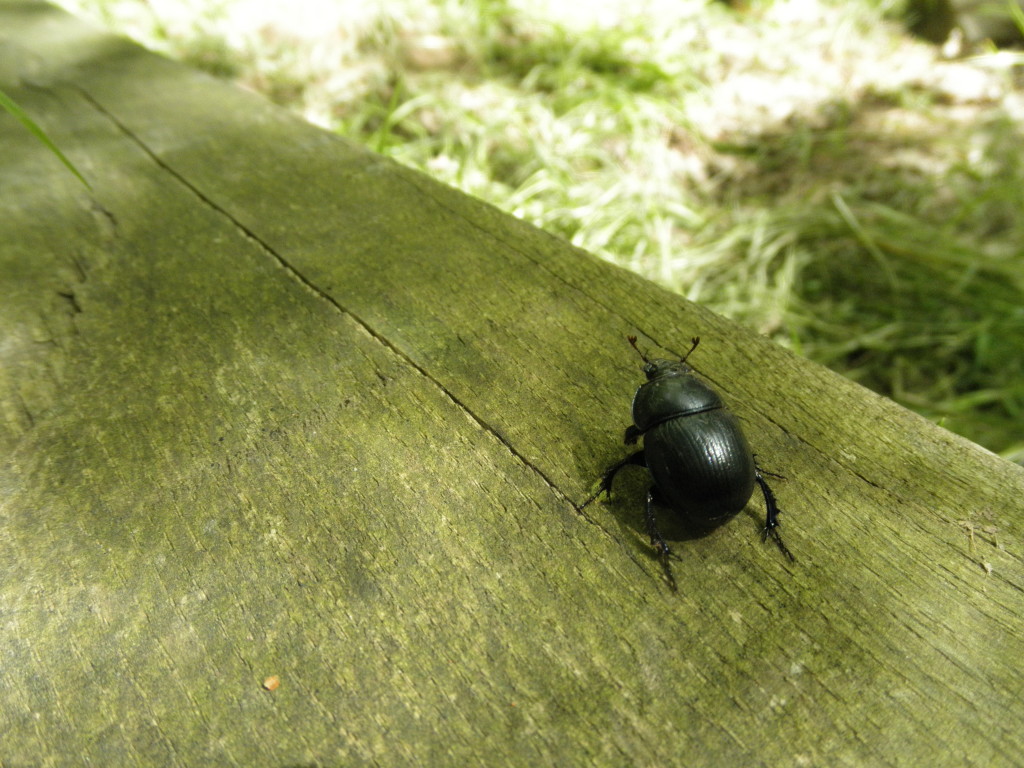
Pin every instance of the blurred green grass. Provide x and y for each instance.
(803, 167)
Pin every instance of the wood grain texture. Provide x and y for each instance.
(273, 406)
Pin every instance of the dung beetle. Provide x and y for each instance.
(698, 456)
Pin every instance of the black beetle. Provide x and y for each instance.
(696, 452)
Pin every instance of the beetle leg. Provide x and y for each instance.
(636, 458)
(771, 523)
(632, 435)
(652, 527)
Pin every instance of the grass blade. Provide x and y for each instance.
(11, 106)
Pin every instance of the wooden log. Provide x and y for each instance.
(296, 443)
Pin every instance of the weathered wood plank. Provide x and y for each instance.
(275, 406)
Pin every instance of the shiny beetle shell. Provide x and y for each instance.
(697, 454)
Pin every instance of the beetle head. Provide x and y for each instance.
(659, 367)
(662, 367)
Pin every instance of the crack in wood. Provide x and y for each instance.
(322, 294)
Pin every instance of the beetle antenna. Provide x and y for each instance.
(696, 341)
(632, 340)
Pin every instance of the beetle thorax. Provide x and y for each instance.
(671, 391)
